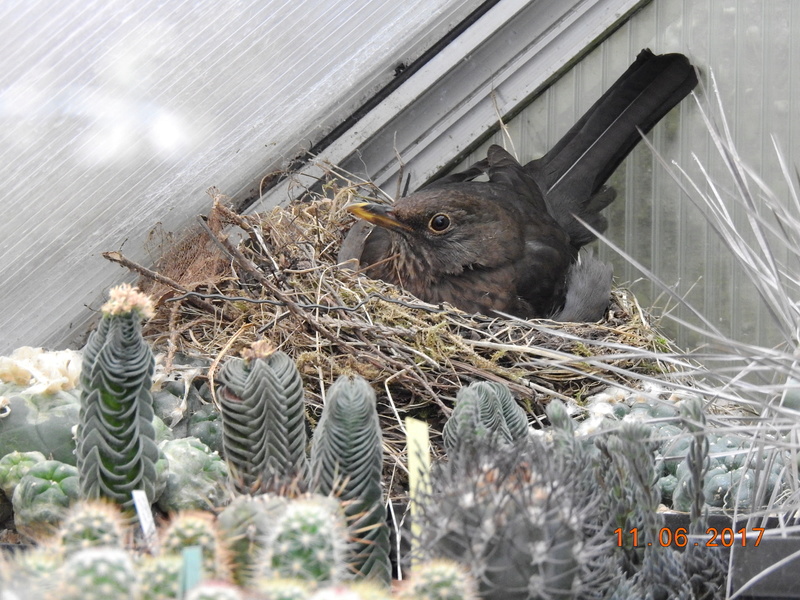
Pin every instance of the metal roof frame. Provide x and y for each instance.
(493, 69)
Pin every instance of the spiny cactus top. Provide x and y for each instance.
(116, 447)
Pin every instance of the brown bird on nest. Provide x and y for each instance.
(511, 244)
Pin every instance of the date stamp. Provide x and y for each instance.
(725, 537)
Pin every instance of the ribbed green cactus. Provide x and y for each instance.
(308, 541)
(196, 477)
(439, 580)
(196, 528)
(245, 525)
(346, 459)
(116, 447)
(90, 524)
(160, 576)
(484, 413)
(13, 466)
(263, 416)
(42, 497)
(98, 574)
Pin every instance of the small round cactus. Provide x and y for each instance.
(43, 496)
(195, 528)
(439, 580)
(98, 573)
(214, 591)
(267, 588)
(196, 477)
(90, 524)
(309, 541)
(13, 466)
(160, 576)
(31, 573)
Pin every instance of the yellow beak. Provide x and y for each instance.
(378, 214)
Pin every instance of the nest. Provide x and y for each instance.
(280, 281)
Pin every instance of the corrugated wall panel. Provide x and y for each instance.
(115, 116)
(753, 49)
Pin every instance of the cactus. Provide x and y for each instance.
(90, 524)
(13, 466)
(263, 416)
(267, 588)
(160, 576)
(475, 516)
(245, 524)
(439, 580)
(30, 573)
(523, 516)
(308, 541)
(484, 412)
(40, 422)
(196, 478)
(195, 528)
(346, 458)
(214, 591)
(116, 447)
(98, 573)
(43, 496)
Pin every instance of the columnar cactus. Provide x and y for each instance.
(116, 447)
(484, 413)
(263, 416)
(346, 459)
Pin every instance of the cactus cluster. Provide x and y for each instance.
(304, 556)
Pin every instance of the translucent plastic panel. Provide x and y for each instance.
(116, 115)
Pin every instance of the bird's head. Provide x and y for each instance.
(446, 231)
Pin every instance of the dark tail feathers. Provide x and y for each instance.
(572, 173)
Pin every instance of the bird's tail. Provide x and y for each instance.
(572, 173)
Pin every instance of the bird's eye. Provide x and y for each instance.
(439, 223)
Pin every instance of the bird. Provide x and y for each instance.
(514, 245)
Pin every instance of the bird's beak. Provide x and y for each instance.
(378, 214)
